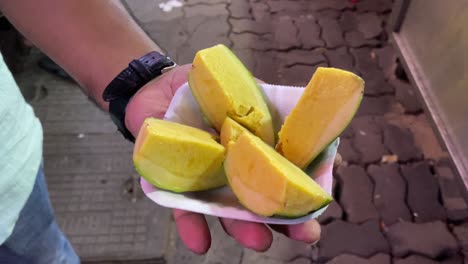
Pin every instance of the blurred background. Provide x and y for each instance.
(399, 185)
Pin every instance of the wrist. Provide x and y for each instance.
(97, 79)
(119, 91)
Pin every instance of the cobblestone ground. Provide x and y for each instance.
(397, 200)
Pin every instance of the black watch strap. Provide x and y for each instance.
(121, 89)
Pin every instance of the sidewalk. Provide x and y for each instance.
(397, 200)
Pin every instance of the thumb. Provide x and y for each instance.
(153, 99)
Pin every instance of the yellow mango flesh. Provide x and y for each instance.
(326, 107)
(230, 131)
(179, 158)
(223, 87)
(268, 184)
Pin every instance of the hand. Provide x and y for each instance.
(153, 100)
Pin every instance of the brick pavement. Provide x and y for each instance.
(396, 199)
(394, 202)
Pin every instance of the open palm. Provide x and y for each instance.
(153, 100)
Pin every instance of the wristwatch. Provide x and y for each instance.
(121, 89)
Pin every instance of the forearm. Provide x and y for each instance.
(92, 40)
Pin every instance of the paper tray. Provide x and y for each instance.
(222, 202)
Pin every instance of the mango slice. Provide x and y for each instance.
(223, 87)
(177, 157)
(267, 183)
(230, 131)
(326, 107)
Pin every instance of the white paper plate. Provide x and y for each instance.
(222, 202)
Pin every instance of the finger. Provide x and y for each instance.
(308, 232)
(193, 231)
(180, 76)
(251, 235)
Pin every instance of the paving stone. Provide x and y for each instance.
(206, 2)
(348, 151)
(414, 259)
(374, 5)
(331, 32)
(267, 67)
(329, 4)
(252, 41)
(368, 139)
(206, 10)
(376, 83)
(387, 57)
(348, 21)
(333, 212)
(369, 24)
(365, 60)
(341, 237)
(351, 259)
(309, 32)
(452, 196)
(147, 11)
(406, 96)
(285, 6)
(389, 193)
(356, 39)
(461, 232)
(282, 250)
(431, 239)
(298, 75)
(330, 13)
(400, 142)
(348, 132)
(340, 58)
(239, 9)
(423, 192)
(247, 57)
(457, 259)
(92, 182)
(376, 106)
(247, 25)
(170, 34)
(356, 194)
(285, 33)
(302, 57)
(260, 11)
(209, 32)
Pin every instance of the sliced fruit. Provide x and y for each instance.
(325, 109)
(177, 157)
(223, 87)
(267, 183)
(230, 131)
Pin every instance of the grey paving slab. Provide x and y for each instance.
(340, 58)
(431, 239)
(389, 193)
(379, 258)
(92, 183)
(341, 237)
(423, 193)
(331, 32)
(309, 32)
(368, 139)
(356, 194)
(452, 194)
